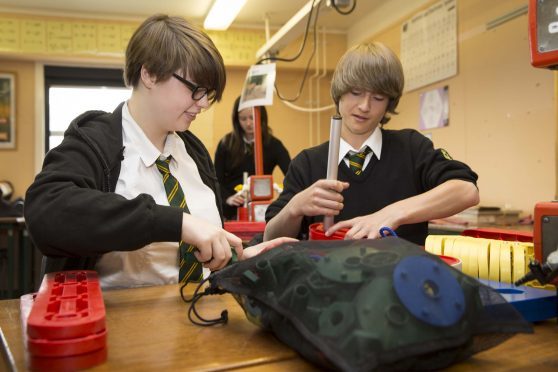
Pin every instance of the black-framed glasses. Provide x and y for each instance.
(198, 92)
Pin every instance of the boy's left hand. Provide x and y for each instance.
(365, 226)
(264, 247)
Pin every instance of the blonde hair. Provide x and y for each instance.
(371, 67)
(164, 45)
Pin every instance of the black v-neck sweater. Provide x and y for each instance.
(409, 166)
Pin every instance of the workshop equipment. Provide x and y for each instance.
(545, 231)
(367, 304)
(333, 157)
(66, 327)
(543, 27)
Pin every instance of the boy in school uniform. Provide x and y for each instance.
(124, 188)
(392, 178)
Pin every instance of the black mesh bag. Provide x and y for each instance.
(364, 305)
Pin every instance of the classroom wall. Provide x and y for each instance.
(55, 41)
(16, 165)
(502, 110)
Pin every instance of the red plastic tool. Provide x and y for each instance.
(69, 304)
(66, 325)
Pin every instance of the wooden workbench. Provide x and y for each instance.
(148, 329)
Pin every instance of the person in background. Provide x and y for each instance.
(101, 201)
(391, 178)
(235, 155)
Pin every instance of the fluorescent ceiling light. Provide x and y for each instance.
(222, 13)
(290, 30)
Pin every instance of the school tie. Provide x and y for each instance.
(189, 268)
(356, 160)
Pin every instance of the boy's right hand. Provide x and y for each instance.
(213, 243)
(323, 198)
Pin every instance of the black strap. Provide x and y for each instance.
(223, 319)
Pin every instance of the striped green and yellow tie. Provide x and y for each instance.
(356, 160)
(189, 268)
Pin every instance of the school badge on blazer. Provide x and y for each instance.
(446, 154)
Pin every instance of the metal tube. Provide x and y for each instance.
(245, 193)
(333, 158)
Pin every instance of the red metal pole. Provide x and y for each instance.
(258, 147)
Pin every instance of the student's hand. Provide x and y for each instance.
(213, 243)
(366, 226)
(322, 198)
(235, 200)
(264, 247)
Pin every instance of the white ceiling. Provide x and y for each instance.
(252, 15)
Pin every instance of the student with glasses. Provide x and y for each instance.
(198, 92)
(100, 200)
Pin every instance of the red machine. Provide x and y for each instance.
(258, 195)
(545, 232)
(260, 186)
(545, 239)
(543, 39)
(543, 33)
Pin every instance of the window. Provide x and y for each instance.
(70, 91)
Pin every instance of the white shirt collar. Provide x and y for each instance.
(374, 142)
(147, 150)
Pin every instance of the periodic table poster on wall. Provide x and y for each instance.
(429, 45)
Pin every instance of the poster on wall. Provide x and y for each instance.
(7, 111)
(429, 45)
(434, 109)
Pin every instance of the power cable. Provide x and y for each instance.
(299, 53)
(284, 99)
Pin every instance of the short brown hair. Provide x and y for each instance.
(164, 45)
(371, 67)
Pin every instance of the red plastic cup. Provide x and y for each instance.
(242, 214)
(316, 232)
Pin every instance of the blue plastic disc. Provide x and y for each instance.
(429, 291)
